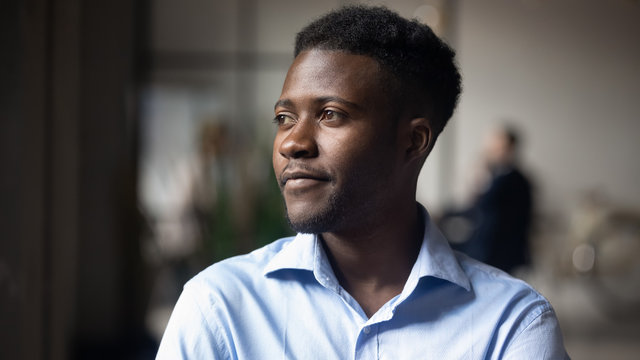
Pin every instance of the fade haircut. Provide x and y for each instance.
(418, 61)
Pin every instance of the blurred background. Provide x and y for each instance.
(136, 143)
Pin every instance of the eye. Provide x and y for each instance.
(283, 120)
(331, 115)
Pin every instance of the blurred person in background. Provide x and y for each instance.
(498, 221)
(368, 275)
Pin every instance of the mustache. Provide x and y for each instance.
(301, 169)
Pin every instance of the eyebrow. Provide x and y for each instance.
(283, 103)
(320, 100)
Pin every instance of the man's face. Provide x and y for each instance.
(335, 154)
(497, 149)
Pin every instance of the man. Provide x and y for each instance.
(368, 276)
(505, 205)
(501, 211)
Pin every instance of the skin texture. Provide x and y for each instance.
(347, 162)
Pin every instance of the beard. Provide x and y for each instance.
(320, 219)
(342, 208)
(352, 203)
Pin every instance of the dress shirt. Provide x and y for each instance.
(283, 301)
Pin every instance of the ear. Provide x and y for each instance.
(421, 138)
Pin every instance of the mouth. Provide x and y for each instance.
(298, 180)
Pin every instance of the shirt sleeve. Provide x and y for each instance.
(189, 334)
(541, 339)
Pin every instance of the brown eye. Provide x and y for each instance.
(283, 120)
(331, 115)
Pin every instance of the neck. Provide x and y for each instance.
(374, 265)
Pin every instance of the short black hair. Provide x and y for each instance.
(409, 50)
(512, 135)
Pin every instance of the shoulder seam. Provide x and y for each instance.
(545, 309)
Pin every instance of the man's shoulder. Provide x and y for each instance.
(494, 286)
(521, 321)
(240, 270)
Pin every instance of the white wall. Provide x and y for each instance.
(568, 73)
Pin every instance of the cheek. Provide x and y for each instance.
(276, 158)
(346, 141)
(340, 152)
(372, 162)
(355, 156)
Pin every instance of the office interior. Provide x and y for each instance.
(136, 148)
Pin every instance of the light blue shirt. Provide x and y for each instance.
(283, 302)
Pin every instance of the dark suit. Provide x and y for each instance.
(501, 218)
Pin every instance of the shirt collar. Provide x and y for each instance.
(435, 258)
(297, 254)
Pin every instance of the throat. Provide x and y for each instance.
(372, 279)
(374, 266)
(372, 300)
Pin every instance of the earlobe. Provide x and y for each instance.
(421, 138)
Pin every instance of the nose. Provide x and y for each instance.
(300, 141)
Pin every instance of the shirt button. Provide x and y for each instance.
(366, 330)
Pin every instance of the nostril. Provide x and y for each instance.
(297, 150)
(300, 153)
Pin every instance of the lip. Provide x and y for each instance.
(300, 180)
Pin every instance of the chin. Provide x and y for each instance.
(308, 224)
(316, 220)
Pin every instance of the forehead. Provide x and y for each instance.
(328, 73)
